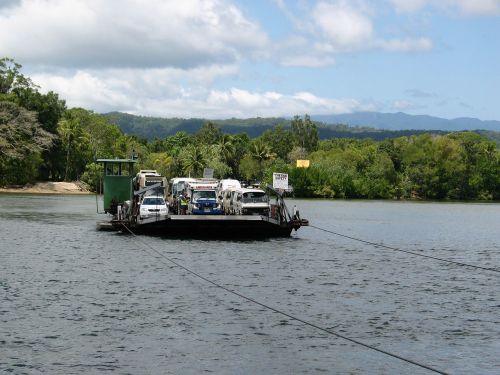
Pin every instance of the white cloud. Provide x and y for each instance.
(405, 105)
(466, 7)
(130, 89)
(244, 103)
(406, 45)
(343, 26)
(409, 5)
(118, 33)
(401, 105)
(329, 28)
(309, 61)
(159, 92)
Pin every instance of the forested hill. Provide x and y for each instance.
(156, 127)
(401, 121)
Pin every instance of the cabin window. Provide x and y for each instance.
(153, 201)
(203, 194)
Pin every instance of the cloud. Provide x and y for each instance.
(128, 33)
(309, 61)
(244, 103)
(343, 26)
(406, 45)
(416, 93)
(4, 4)
(409, 5)
(466, 7)
(403, 105)
(330, 28)
(129, 89)
(171, 92)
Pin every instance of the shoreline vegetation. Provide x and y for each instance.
(43, 140)
(80, 188)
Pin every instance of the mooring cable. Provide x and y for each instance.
(305, 322)
(406, 251)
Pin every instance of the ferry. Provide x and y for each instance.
(189, 207)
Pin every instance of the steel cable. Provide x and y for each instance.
(407, 251)
(407, 360)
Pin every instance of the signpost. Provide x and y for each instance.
(208, 173)
(302, 163)
(280, 181)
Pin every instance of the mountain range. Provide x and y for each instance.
(374, 125)
(404, 121)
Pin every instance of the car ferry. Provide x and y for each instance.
(141, 208)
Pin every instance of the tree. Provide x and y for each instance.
(254, 162)
(305, 133)
(175, 143)
(21, 132)
(160, 161)
(280, 140)
(241, 143)
(209, 133)
(217, 161)
(21, 144)
(15, 87)
(193, 160)
(226, 147)
(11, 80)
(74, 143)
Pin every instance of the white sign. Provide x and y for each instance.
(208, 173)
(280, 181)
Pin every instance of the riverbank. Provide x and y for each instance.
(48, 188)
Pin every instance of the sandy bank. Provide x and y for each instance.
(48, 188)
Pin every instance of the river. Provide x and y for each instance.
(78, 301)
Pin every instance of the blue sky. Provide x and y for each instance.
(235, 58)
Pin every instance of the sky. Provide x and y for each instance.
(234, 58)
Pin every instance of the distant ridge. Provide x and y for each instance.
(404, 121)
(335, 126)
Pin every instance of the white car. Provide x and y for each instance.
(153, 206)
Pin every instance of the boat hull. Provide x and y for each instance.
(204, 226)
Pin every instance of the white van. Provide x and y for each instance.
(250, 202)
(227, 200)
(226, 184)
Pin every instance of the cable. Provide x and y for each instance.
(286, 314)
(407, 251)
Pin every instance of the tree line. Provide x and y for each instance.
(41, 139)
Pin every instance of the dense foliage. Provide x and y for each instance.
(41, 139)
(156, 127)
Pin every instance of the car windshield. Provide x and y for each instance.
(153, 201)
(254, 196)
(204, 194)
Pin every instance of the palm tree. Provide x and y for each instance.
(226, 147)
(260, 151)
(72, 135)
(194, 161)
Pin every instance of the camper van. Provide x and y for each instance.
(150, 177)
(227, 200)
(250, 202)
(226, 184)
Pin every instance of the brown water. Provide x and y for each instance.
(78, 301)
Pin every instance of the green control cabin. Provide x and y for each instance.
(118, 175)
